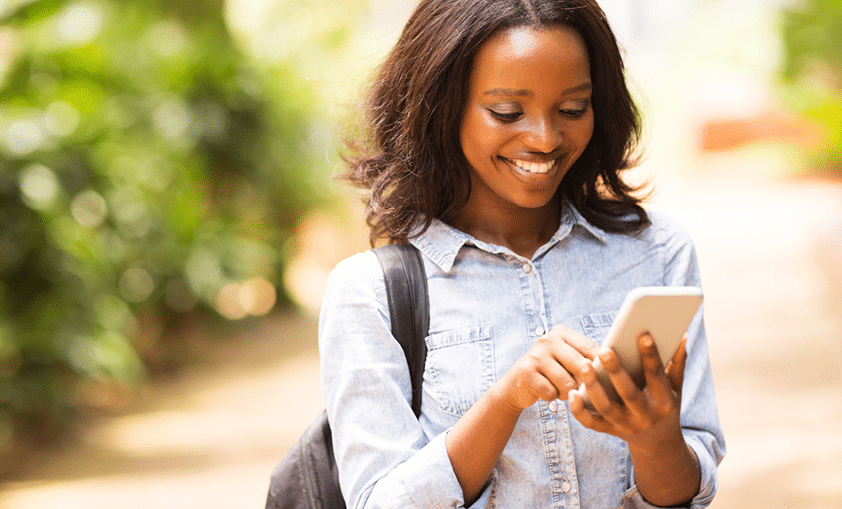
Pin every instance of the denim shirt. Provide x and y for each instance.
(487, 307)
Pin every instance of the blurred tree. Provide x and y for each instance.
(148, 169)
(811, 33)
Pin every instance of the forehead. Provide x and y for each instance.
(524, 55)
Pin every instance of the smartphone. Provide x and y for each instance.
(664, 312)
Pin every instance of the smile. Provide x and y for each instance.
(533, 167)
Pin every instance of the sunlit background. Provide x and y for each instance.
(168, 221)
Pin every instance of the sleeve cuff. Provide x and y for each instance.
(707, 464)
(708, 485)
(436, 485)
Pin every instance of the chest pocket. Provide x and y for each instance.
(596, 326)
(460, 367)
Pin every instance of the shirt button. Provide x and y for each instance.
(565, 485)
(553, 406)
(539, 331)
(527, 268)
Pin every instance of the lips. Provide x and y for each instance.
(534, 171)
(533, 167)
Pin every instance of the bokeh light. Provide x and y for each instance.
(39, 185)
(258, 296)
(89, 208)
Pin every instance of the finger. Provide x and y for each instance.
(626, 388)
(576, 403)
(565, 362)
(600, 401)
(543, 388)
(561, 379)
(657, 384)
(675, 369)
(653, 368)
(529, 388)
(546, 363)
(579, 342)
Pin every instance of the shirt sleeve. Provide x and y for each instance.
(384, 457)
(699, 415)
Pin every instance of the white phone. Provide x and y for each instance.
(664, 312)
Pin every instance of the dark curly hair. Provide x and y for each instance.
(411, 160)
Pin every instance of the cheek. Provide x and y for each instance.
(476, 137)
(584, 134)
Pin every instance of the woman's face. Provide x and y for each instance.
(528, 115)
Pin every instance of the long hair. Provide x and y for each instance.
(410, 158)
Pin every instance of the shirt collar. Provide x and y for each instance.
(441, 242)
(570, 217)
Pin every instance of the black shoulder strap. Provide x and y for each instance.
(409, 309)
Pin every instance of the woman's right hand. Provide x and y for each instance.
(550, 369)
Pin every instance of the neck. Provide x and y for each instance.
(519, 229)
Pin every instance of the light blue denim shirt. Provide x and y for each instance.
(487, 307)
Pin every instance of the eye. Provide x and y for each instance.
(505, 116)
(574, 113)
(577, 112)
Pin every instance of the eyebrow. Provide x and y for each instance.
(520, 92)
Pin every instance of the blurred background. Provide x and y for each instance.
(168, 220)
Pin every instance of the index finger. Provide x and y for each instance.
(581, 343)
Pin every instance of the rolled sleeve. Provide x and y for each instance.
(702, 445)
(425, 487)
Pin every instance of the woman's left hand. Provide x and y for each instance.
(644, 413)
(666, 469)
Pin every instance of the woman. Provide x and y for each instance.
(499, 132)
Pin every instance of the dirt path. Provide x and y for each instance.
(771, 257)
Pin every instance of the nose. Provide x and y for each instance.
(543, 134)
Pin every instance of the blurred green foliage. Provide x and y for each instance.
(148, 169)
(811, 33)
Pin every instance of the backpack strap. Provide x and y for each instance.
(307, 477)
(409, 308)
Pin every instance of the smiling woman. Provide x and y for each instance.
(424, 127)
(499, 131)
(528, 118)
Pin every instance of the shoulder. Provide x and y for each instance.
(359, 273)
(675, 247)
(665, 231)
(360, 263)
(662, 232)
(354, 298)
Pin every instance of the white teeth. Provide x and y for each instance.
(533, 167)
